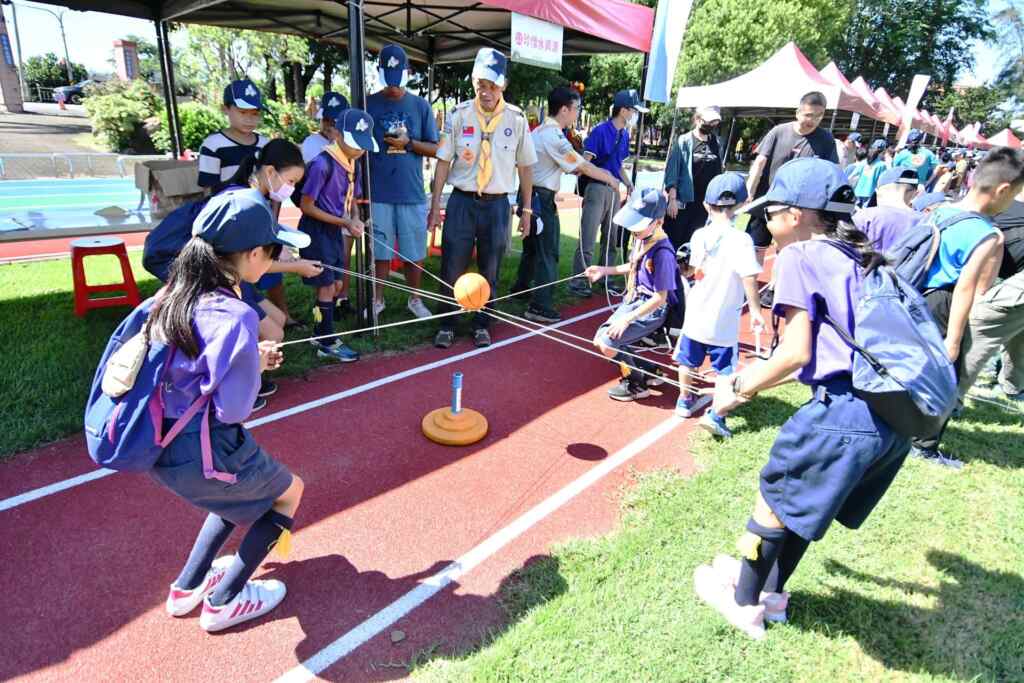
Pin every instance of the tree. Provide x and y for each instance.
(889, 41)
(971, 104)
(1009, 25)
(48, 72)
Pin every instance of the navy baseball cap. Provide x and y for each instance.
(490, 65)
(929, 199)
(880, 143)
(243, 94)
(356, 128)
(629, 98)
(726, 189)
(239, 220)
(914, 136)
(331, 105)
(809, 183)
(645, 206)
(855, 137)
(898, 174)
(393, 66)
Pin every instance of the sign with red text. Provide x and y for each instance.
(536, 42)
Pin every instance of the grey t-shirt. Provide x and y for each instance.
(783, 143)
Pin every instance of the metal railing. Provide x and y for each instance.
(69, 164)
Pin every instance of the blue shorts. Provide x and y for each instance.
(327, 245)
(691, 354)
(404, 224)
(834, 459)
(251, 296)
(637, 330)
(269, 281)
(261, 479)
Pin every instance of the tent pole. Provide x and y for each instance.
(640, 124)
(364, 245)
(728, 144)
(832, 125)
(163, 51)
(874, 125)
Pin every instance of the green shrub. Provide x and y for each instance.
(117, 111)
(287, 120)
(197, 121)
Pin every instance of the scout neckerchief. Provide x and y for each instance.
(485, 169)
(350, 167)
(636, 259)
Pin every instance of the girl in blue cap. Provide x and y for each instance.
(834, 459)
(215, 463)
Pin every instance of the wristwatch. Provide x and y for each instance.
(737, 387)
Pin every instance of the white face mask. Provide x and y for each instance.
(633, 119)
(283, 191)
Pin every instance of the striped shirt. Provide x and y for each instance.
(220, 156)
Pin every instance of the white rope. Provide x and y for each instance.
(404, 288)
(532, 289)
(370, 329)
(999, 404)
(404, 259)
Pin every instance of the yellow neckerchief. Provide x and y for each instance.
(637, 256)
(350, 167)
(485, 169)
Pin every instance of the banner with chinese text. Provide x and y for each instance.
(536, 42)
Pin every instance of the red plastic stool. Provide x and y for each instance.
(94, 246)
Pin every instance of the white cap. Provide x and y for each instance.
(709, 114)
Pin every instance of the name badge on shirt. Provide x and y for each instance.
(468, 131)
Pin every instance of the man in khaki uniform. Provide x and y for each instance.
(555, 156)
(479, 154)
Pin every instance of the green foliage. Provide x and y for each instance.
(149, 62)
(287, 120)
(117, 111)
(197, 121)
(974, 104)
(608, 75)
(49, 71)
(1009, 25)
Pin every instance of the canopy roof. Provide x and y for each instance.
(430, 30)
(849, 98)
(1005, 138)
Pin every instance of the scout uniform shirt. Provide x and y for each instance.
(555, 156)
(511, 146)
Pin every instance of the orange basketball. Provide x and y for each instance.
(472, 291)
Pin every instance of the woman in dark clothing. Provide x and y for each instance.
(694, 159)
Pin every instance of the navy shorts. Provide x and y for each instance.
(834, 459)
(327, 245)
(261, 479)
(637, 330)
(269, 281)
(251, 296)
(691, 354)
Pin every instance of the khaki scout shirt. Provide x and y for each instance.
(511, 146)
(555, 155)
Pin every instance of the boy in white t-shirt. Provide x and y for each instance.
(726, 269)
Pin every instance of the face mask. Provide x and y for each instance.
(283, 192)
(633, 119)
(706, 129)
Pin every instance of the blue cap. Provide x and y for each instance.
(898, 174)
(393, 66)
(243, 94)
(726, 189)
(239, 220)
(629, 98)
(914, 136)
(809, 183)
(331, 105)
(855, 137)
(490, 65)
(645, 205)
(356, 128)
(929, 199)
(880, 143)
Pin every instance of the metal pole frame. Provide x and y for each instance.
(728, 144)
(163, 49)
(67, 55)
(17, 43)
(640, 123)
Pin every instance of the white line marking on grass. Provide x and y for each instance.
(312, 667)
(42, 492)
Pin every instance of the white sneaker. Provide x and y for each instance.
(180, 602)
(418, 308)
(378, 308)
(254, 600)
(714, 590)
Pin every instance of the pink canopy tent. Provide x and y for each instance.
(1005, 138)
(849, 99)
(861, 87)
(893, 112)
(617, 21)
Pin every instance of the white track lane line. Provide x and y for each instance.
(312, 667)
(50, 489)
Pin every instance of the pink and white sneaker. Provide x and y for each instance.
(254, 600)
(180, 601)
(715, 590)
(775, 604)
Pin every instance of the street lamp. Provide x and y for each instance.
(17, 42)
(60, 22)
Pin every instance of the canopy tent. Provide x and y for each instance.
(1005, 138)
(849, 99)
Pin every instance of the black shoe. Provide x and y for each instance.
(517, 292)
(627, 390)
(767, 297)
(444, 338)
(260, 404)
(583, 293)
(342, 310)
(267, 388)
(481, 338)
(937, 457)
(542, 315)
(293, 325)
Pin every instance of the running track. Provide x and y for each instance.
(384, 511)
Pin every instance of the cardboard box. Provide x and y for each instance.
(168, 184)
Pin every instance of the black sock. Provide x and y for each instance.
(792, 552)
(754, 574)
(212, 535)
(326, 324)
(256, 545)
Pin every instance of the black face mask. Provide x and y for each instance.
(706, 129)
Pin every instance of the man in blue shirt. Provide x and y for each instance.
(919, 158)
(406, 133)
(606, 147)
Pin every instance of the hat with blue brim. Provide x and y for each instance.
(356, 128)
(331, 105)
(914, 136)
(393, 66)
(726, 189)
(490, 65)
(898, 174)
(240, 220)
(631, 99)
(243, 94)
(928, 200)
(809, 183)
(645, 206)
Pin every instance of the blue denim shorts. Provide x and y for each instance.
(327, 245)
(637, 330)
(691, 354)
(404, 225)
(269, 281)
(252, 297)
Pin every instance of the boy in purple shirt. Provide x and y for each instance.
(329, 216)
(653, 277)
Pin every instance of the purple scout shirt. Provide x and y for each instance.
(658, 272)
(228, 364)
(884, 224)
(328, 186)
(812, 271)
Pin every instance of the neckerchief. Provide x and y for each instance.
(350, 168)
(487, 125)
(637, 257)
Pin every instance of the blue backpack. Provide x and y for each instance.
(901, 368)
(125, 431)
(914, 251)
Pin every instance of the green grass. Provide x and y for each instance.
(929, 590)
(50, 355)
